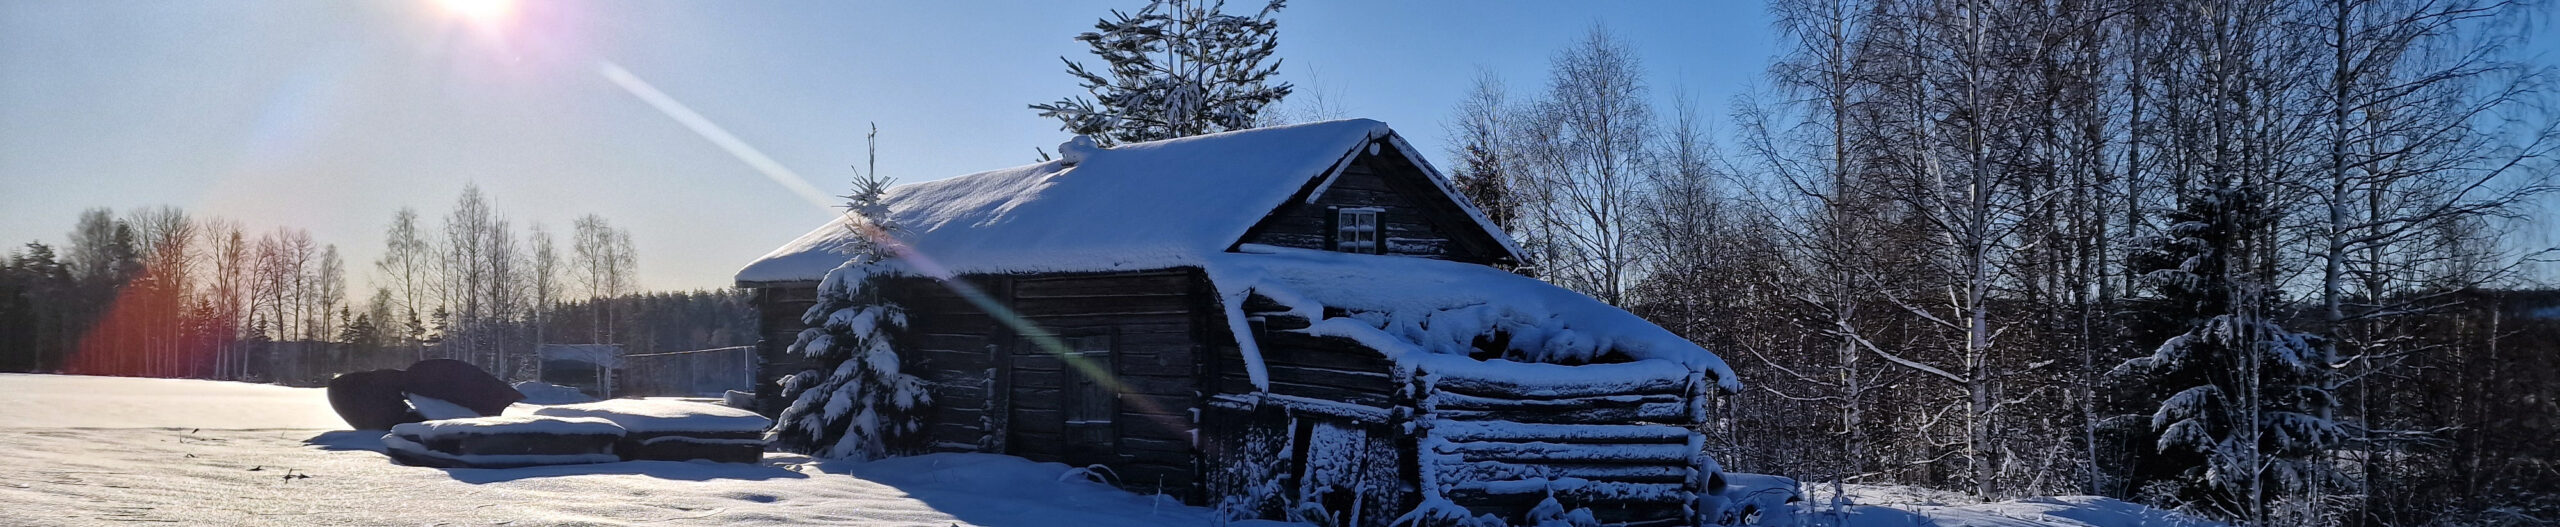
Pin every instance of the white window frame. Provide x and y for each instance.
(1356, 230)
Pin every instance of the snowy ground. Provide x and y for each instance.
(1901, 506)
(113, 451)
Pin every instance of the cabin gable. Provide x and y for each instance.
(1076, 322)
(1414, 215)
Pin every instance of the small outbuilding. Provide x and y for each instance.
(590, 368)
(1302, 322)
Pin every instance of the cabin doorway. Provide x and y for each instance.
(1062, 407)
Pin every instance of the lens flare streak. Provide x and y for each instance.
(713, 132)
(1046, 340)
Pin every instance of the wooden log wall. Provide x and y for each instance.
(950, 344)
(996, 389)
(1150, 324)
(778, 309)
(1324, 440)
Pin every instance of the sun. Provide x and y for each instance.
(482, 11)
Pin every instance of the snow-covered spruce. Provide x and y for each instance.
(1176, 68)
(860, 405)
(2244, 404)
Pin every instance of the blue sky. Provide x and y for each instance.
(329, 115)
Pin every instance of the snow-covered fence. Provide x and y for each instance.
(703, 372)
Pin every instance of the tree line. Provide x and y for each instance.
(2252, 259)
(2246, 258)
(159, 292)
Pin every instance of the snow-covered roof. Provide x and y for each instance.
(651, 416)
(1149, 205)
(606, 355)
(1415, 308)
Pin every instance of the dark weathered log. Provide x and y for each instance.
(1557, 433)
(970, 341)
(1330, 393)
(1666, 454)
(1028, 397)
(1667, 383)
(1459, 401)
(1652, 413)
(1102, 305)
(1168, 342)
(1279, 322)
(1297, 239)
(1150, 384)
(1256, 303)
(1158, 406)
(1374, 383)
(1574, 493)
(955, 433)
(947, 363)
(1073, 286)
(1090, 320)
(1417, 246)
(1502, 471)
(1603, 409)
(1159, 364)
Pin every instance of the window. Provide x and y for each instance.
(1356, 231)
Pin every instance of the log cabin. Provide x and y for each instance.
(1296, 322)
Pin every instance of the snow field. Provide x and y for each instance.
(120, 451)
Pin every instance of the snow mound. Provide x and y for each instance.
(1074, 151)
(659, 416)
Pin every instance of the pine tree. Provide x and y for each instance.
(1177, 68)
(1482, 173)
(2243, 415)
(1480, 178)
(860, 404)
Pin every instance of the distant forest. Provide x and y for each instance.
(2259, 260)
(159, 292)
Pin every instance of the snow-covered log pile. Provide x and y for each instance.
(668, 430)
(1519, 396)
(503, 442)
(1617, 439)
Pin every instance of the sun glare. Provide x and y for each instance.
(483, 11)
